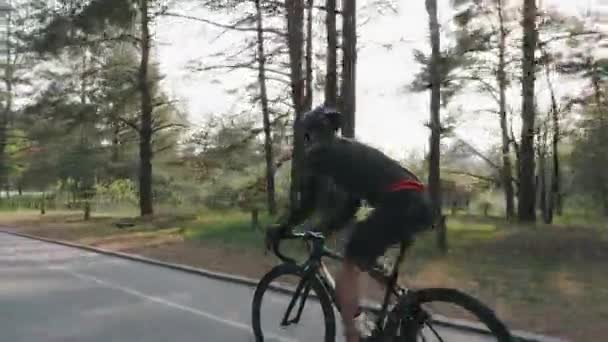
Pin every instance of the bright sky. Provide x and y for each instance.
(387, 116)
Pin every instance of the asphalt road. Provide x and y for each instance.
(50, 292)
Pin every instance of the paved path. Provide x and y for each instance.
(50, 293)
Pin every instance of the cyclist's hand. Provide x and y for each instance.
(273, 233)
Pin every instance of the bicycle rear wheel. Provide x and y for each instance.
(424, 318)
(292, 315)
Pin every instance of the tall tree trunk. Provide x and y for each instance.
(435, 123)
(326, 191)
(349, 66)
(515, 147)
(502, 86)
(7, 110)
(597, 94)
(86, 182)
(295, 42)
(544, 195)
(115, 156)
(549, 198)
(605, 202)
(555, 198)
(3, 142)
(270, 189)
(527, 202)
(556, 180)
(145, 131)
(540, 187)
(309, 66)
(597, 91)
(331, 77)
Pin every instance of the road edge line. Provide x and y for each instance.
(522, 336)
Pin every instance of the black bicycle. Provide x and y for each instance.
(402, 317)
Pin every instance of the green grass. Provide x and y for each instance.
(228, 227)
(581, 218)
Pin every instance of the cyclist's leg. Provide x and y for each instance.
(396, 220)
(347, 292)
(370, 239)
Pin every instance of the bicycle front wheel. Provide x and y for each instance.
(426, 319)
(288, 307)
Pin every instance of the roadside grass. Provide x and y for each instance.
(228, 227)
(542, 278)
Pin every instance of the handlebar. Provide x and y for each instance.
(378, 271)
(306, 236)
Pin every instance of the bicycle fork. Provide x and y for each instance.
(301, 293)
(304, 287)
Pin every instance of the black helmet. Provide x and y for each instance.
(321, 118)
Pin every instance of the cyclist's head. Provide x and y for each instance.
(320, 124)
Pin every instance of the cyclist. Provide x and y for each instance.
(360, 172)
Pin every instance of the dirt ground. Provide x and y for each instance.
(557, 302)
(163, 244)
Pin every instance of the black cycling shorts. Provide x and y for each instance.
(397, 218)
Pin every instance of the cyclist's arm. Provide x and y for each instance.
(308, 197)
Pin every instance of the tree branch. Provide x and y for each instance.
(479, 154)
(274, 121)
(488, 87)
(234, 27)
(472, 175)
(129, 123)
(250, 46)
(249, 18)
(571, 35)
(164, 103)
(164, 148)
(488, 110)
(167, 126)
(323, 8)
(276, 79)
(248, 65)
(281, 4)
(125, 37)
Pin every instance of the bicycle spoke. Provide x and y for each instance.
(434, 331)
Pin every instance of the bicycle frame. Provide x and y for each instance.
(404, 321)
(314, 267)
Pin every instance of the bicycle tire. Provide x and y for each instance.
(452, 296)
(316, 286)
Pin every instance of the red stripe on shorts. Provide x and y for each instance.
(406, 185)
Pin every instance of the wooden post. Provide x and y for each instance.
(87, 210)
(42, 204)
(255, 222)
(442, 240)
